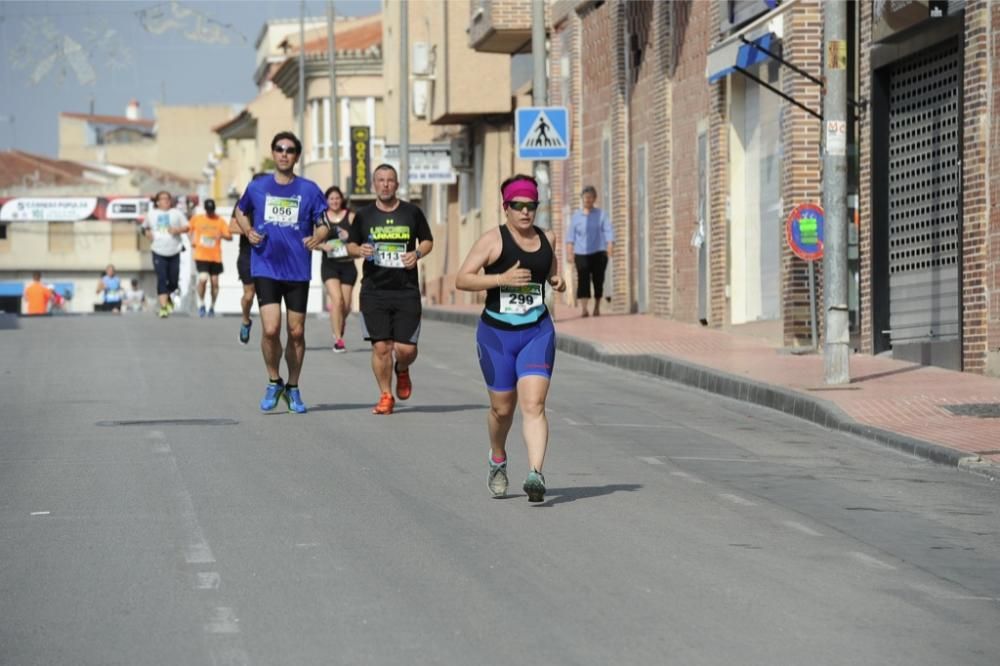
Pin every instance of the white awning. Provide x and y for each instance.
(723, 56)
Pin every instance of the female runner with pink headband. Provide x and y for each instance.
(515, 337)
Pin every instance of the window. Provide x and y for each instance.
(61, 237)
(319, 125)
(124, 237)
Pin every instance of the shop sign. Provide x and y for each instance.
(430, 163)
(127, 208)
(804, 231)
(891, 17)
(361, 158)
(48, 210)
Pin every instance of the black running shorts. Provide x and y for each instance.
(345, 271)
(295, 294)
(243, 268)
(391, 315)
(210, 267)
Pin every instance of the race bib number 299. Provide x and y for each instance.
(283, 211)
(521, 300)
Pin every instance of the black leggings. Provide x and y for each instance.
(590, 268)
(168, 271)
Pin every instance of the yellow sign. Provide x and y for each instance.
(836, 54)
(360, 159)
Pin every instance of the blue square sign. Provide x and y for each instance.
(542, 133)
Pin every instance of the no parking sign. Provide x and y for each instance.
(804, 231)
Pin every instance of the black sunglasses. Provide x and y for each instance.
(531, 206)
(285, 150)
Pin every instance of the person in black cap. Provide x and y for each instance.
(207, 232)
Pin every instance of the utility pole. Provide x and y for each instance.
(836, 346)
(404, 99)
(302, 79)
(540, 97)
(331, 60)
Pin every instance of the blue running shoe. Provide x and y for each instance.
(271, 396)
(201, 310)
(534, 485)
(245, 332)
(294, 399)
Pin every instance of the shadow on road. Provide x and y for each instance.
(367, 406)
(572, 494)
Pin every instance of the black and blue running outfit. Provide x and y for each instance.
(515, 337)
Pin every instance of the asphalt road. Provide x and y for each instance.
(151, 515)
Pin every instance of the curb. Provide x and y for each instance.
(741, 388)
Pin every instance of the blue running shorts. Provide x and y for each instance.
(506, 356)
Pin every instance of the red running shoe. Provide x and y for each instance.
(385, 404)
(404, 388)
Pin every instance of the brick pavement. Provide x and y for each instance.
(886, 394)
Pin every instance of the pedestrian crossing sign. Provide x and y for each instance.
(542, 133)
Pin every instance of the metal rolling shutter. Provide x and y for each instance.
(924, 192)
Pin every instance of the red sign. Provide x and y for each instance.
(804, 231)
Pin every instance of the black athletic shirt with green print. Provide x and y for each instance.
(393, 233)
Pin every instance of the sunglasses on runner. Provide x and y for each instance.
(285, 150)
(530, 206)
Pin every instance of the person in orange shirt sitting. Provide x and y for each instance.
(207, 232)
(37, 297)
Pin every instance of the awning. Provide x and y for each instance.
(724, 61)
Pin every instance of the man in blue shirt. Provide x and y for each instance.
(288, 224)
(589, 240)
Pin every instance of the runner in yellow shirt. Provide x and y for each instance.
(207, 232)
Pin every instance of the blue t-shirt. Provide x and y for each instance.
(285, 215)
(112, 289)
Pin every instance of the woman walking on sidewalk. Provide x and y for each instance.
(515, 338)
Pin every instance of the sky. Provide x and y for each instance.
(77, 55)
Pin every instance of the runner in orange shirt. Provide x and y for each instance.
(37, 296)
(207, 232)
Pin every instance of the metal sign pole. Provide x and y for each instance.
(812, 304)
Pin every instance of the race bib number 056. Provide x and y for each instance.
(283, 211)
(521, 300)
(390, 255)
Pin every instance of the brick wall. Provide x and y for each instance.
(498, 15)
(865, 178)
(690, 104)
(993, 271)
(601, 114)
(660, 169)
(718, 231)
(975, 221)
(801, 164)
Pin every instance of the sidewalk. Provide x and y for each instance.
(896, 403)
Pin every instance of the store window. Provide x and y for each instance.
(755, 197)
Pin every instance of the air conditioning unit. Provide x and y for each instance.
(461, 151)
(421, 64)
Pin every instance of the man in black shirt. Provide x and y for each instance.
(392, 235)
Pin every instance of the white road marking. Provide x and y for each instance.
(41, 513)
(802, 528)
(726, 460)
(207, 580)
(223, 620)
(652, 426)
(155, 434)
(197, 550)
(687, 477)
(872, 561)
(222, 628)
(736, 499)
(650, 460)
(940, 593)
(572, 422)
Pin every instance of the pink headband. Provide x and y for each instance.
(520, 188)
